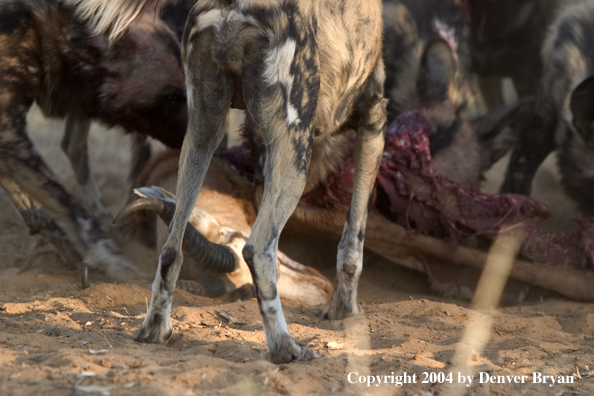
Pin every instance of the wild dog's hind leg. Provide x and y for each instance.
(209, 98)
(282, 103)
(283, 185)
(368, 154)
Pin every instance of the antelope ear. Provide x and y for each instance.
(495, 131)
(438, 68)
(582, 108)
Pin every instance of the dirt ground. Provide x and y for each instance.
(57, 339)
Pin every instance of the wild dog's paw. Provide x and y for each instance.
(105, 256)
(155, 329)
(340, 306)
(287, 350)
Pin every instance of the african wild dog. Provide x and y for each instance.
(304, 70)
(506, 37)
(461, 149)
(568, 93)
(427, 60)
(576, 151)
(568, 60)
(409, 27)
(507, 41)
(48, 58)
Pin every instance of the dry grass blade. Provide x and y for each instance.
(488, 293)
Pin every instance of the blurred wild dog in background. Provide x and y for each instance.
(49, 58)
(427, 56)
(561, 113)
(565, 101)
(411, 26)
(509, 40)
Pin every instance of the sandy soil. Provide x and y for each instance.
(57, 339)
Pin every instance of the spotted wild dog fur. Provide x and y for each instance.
(576, 151)
(48, 58)
(304, 70)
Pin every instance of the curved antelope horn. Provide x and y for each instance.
(218, 257)
(206, 286)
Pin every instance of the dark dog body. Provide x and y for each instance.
(48, 58)
(175, 15)
(56, 62)
(507, 37)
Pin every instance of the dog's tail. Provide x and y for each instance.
(113, 16)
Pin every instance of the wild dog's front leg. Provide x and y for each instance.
(74, 144)
(368, 154)
(536, 140)
(209, 97)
